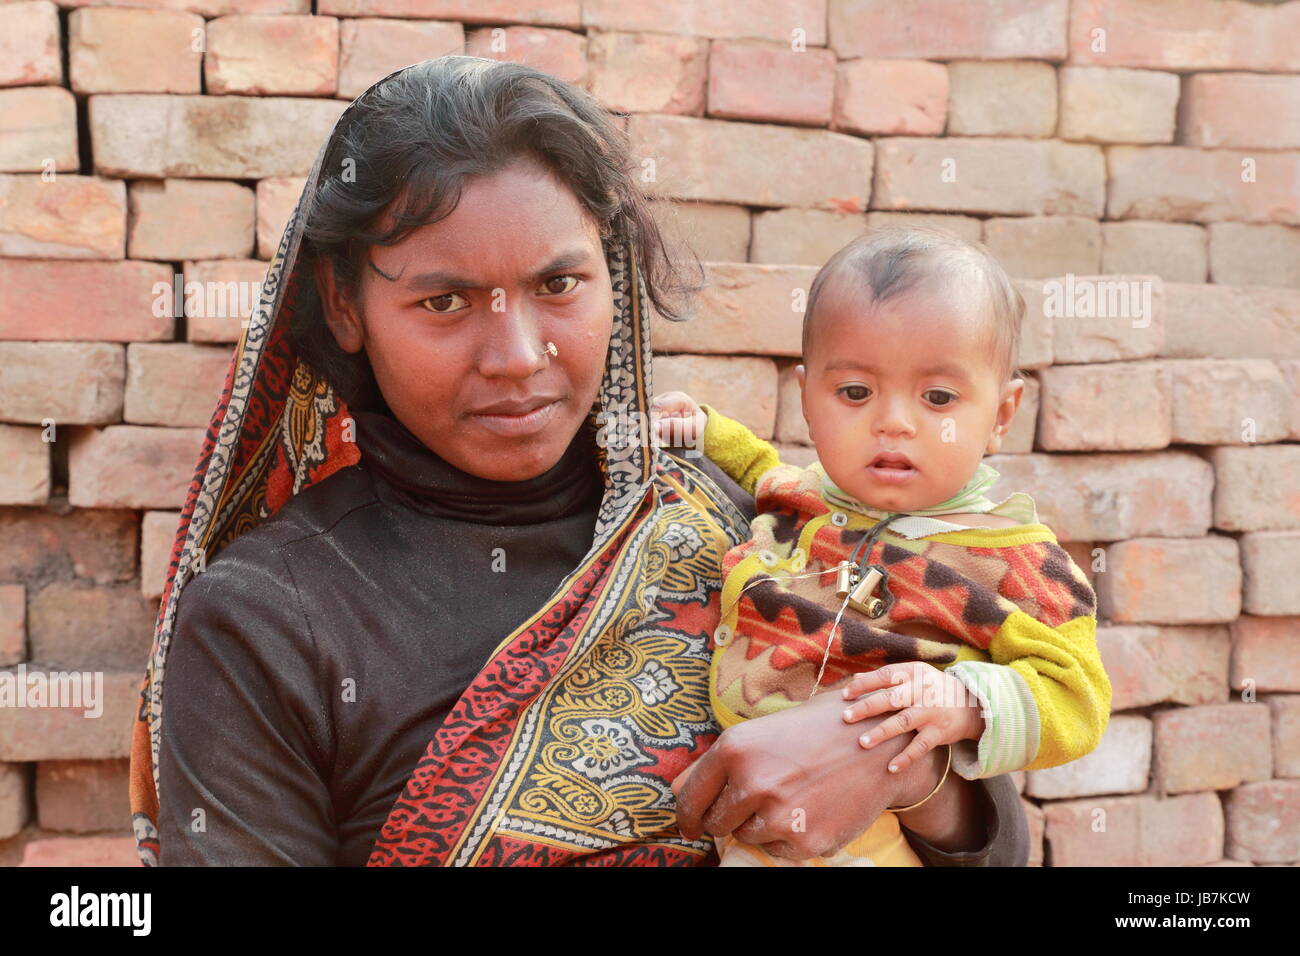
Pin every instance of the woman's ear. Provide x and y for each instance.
(1008, 402)
(341, 314)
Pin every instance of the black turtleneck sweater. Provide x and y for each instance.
(326, 646)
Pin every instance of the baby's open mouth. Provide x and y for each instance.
(891, 466)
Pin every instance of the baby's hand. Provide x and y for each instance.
(932, 702)
(678, 421)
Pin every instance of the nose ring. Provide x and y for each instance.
(551, 350)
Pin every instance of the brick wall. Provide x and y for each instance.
(1146, 139)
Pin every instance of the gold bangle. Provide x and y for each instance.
(936, 786)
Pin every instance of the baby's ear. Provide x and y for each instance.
(1012, 393)
(801, 374)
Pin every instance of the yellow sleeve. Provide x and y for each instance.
(741, 454)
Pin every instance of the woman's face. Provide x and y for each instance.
(456, 318)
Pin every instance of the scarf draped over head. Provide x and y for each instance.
(566, 743)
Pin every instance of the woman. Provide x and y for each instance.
(417, 613)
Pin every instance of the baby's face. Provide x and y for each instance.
(903, 398)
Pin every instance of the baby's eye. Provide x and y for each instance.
(442, 304)
(856, 393)
(939, 396)
(549, 284)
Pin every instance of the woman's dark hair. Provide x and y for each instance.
(417, 135)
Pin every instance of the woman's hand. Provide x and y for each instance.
(678, 420)
(932, 702)
(797, 783)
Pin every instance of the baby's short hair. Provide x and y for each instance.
(892, 260)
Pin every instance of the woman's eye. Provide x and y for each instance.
(856, 393)
(939, 396)
(550, 284)
(443, 304)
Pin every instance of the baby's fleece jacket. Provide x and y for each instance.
(1005, 610)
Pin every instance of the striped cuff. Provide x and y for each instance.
(1011, 724)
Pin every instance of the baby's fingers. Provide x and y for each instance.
(886, 676)
(923, 743)
(895, 698)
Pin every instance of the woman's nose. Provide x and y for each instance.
(512, 345)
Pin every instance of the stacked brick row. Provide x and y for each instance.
(1091, 141)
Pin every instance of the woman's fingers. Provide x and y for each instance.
(698, 791)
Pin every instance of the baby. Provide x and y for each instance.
(884, 566)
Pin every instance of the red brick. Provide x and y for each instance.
(38, 130)
(711, 232)
(1106, 318)
(968, 227)
(1002, 99)
(1037, 823)
(1039, 247)
(761, 306)
(1037, 328)
(560, 53)
(802, 236)
(729, 19)
(157, 535)
(889, 97)
(1118, 406)
(25, 479)
(82, 796)
(1263, 821)
(29, 44)
(66, 733)
(15, 803)
(68, 217)
(791, 428)
(1183, 183)
(1174, 251)
(648, 72)
(1291, 372)
(174, 384)
(1117, 106)
(13, 624)
(1264, 654)
(801, 456)
(1257, 488)
(1120, 764)
(752, 79)
(73, 383)
(99, 628)
(1265, 323)
(740, 388)
(750, 164)
(93, 851)
(1269, 560)
(1155, 664)
(163, 215)
(270, 55)
(994, 176)
(82, 301)
(1244, 254)
(135, 51)
(129, 466)
(939, 30)
(225, 293)
(1228, 402)
(1285, 711)
(38, 546)
(1211, 748)
(369, 50)
(1113, 497)
(276, 200)
(1135, 831)
(1188, 35)
(214, 137)
(1244, 110)
(562, 13)
(1146, 581)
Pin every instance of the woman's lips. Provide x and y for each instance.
(515, 426)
